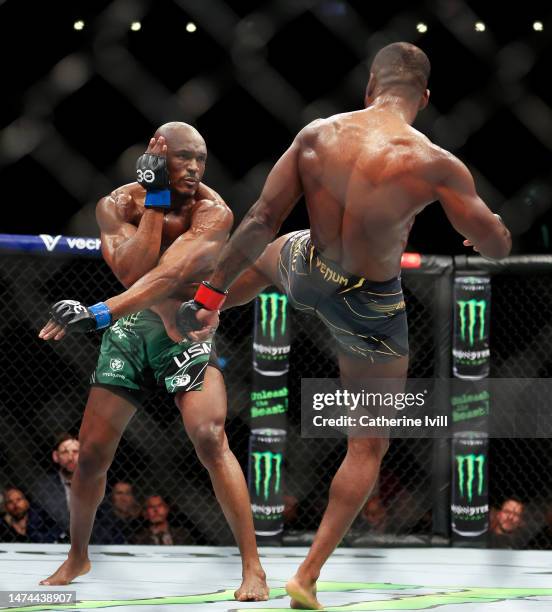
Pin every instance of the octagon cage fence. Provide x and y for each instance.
(44, 389)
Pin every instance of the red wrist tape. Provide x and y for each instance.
(209, 297)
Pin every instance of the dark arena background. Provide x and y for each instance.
(85, 84)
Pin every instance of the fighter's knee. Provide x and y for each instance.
(369, 448)
(209, 441)
(93, 459)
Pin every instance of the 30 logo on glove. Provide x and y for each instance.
(152, 174)
(145, 176)
(75, 316)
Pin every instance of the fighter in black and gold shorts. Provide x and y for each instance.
(367, 318)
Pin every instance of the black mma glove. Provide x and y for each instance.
(74, 316)
(153, 176)
(207, 297)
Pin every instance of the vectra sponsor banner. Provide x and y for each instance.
(46, 243)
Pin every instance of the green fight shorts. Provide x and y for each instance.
(136, 354)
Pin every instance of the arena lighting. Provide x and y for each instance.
(191, 27)
(135, 26)
(78, 25)
(538, 26)
(421, 27)
(479, 26)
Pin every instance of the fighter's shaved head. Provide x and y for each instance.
(186, 154)
(401, 66)
(176, 131)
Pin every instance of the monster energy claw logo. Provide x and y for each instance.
(270, 302)
(264, 462)
(470, 312)
(466, 477)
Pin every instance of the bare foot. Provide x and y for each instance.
(67, 572)
(303, 594)
(253, 587)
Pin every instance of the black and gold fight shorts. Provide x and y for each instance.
(367, 318)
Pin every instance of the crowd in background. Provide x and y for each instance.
(41, 514)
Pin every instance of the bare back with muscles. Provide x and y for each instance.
(365, 176)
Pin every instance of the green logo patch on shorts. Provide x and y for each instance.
(116, 364)
(190, 364)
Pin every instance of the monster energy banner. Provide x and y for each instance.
(470, 403)
(271, 336)
(269, 400)
(470, 507)
(472, 305)
(265, 477)
(268, 411)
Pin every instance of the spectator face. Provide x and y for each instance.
(67, 455)
(374, 512)
(510, 515)
(156, 509)
(16, 504)
(122, 497)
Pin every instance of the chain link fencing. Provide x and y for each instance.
(44, 389)
(520, 493)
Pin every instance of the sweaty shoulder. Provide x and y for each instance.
(308, 136)
(324, 131)
(204, 192)
(443, 165)
(210, 209)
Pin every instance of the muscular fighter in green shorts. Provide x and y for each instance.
(159, 236)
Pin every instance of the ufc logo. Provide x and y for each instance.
(76, 307)
(146, 176)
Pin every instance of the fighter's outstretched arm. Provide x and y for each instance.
(467, 212)
(183, 264)
(280, 193)
(190, 258)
